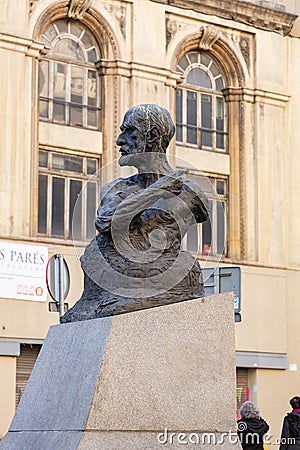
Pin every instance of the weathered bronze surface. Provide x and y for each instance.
(136, 261)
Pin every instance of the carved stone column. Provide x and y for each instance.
(237, 99)
(116, 99)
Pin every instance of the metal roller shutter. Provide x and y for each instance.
(25, 363)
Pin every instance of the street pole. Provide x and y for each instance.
(61, 284)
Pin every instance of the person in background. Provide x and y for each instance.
(290, 435)
(251, 427)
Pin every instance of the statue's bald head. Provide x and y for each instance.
(156, 122)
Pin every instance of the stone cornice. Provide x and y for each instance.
(132, 69)
(23, 45)
(254, 96)
(241, 11)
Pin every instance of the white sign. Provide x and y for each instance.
(23, 271)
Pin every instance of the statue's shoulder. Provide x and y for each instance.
(118, 185)
(193, 191)
(193, 186)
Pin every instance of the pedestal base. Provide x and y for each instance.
(155, 378)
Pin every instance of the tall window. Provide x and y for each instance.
(67, 198)
(68, 81)
(201, 119)
(209, 238)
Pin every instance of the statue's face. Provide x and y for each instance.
(132, 140)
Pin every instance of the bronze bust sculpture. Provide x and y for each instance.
(136, 260)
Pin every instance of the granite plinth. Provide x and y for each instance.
(118, 382)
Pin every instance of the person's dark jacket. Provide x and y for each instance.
(251, 433)
(290, 435)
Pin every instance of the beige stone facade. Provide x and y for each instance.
(139, 47)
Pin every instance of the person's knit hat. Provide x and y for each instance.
(249, 410)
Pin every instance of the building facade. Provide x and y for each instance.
(228, 73)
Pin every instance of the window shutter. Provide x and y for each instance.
(25, 363)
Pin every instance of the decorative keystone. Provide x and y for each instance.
(208, 37)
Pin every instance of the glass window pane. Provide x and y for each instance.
(43, 159)
(92, 55)
(220, 228)
(50, 33)
(205, 60)
(192, 239)
(206, 111)
(183, 63)
(77, 80)
(58, 161)
(86, 40)
(191, 117)
(206, 120)
(206, 231)
(220, 113)
(76, 115)
(42, 204)
(44, 88)
(67, 162)
(59, 92)
(219, 84)
(193, 57)
(92, 88)
(91, 166)
(44, 79)
(204, 182)
(198, 77)
(221, 187)
(220, 140)
(74, 164)
(179, 115)
(75, 210)
(76, 30)
(44, 109)
(93, 118)
(220, 122)
(58, 206)
(91, 210)
(59, 88)
(62, 26)
(59, 111)
(214, 69)
(67, 48)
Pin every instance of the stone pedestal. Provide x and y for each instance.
(130, 381)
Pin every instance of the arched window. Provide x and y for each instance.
(68, 81)
(69, 94)
(201, 123)
(201, 118)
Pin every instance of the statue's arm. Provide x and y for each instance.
(196, 200)
(165, 187)
(113, 205)
(110, 201)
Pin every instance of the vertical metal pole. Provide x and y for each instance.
(216, 281)
(61, 284)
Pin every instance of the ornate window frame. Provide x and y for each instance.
(110, 47)
(236, 74)
(201, 115)
(69, 83)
